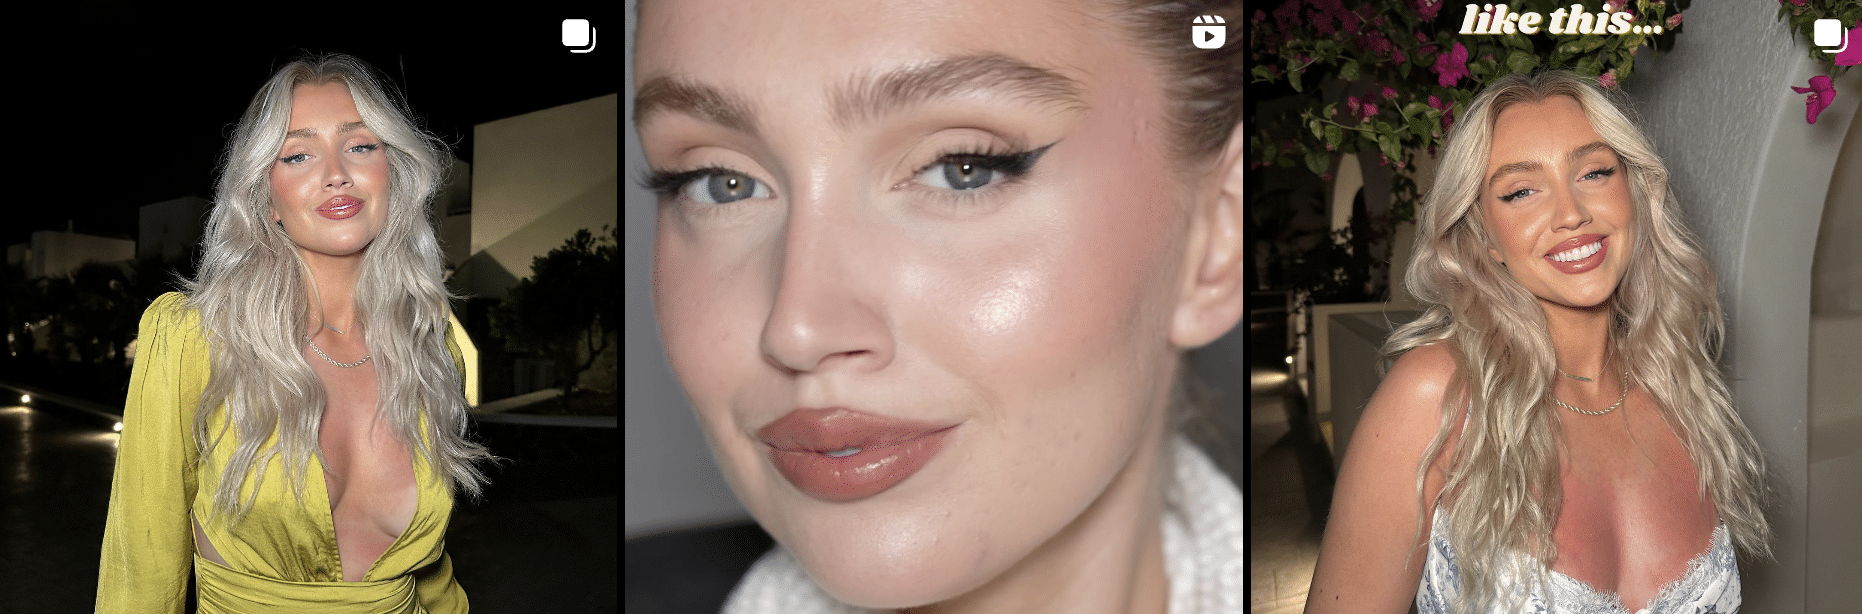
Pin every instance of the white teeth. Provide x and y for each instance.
(843, 453)
(1578, 253)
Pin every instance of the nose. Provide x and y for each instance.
(828, 312)
(335, 173)
(1570, 211)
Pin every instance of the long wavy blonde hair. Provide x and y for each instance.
(252, 290)
(1501, 493)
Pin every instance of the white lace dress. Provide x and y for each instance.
(1710, 585)
(1203, 545)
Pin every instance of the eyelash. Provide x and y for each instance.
(1011, 166)
(370, 147)
(1605, 172)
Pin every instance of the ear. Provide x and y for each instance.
(1211, 301)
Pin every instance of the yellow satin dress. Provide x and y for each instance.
(283, 556)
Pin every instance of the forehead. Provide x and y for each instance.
(325, 103)
(794, 51)
(1543, 129)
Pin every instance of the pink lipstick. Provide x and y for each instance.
(340, 207)
(840, 454)
(1578, 254)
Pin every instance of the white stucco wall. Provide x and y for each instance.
(536, 179)
(1753, 178)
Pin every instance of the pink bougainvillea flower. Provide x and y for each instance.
(1821, 94)
(1674, 21)
(1259, 16)
(1353, 21)
(1351, 102)
(1853, 55)
(1374, 43)
(1389, 94)
(1428, 9)
(1795, 2)
(1370, 110)
(1607, 79)
(1436, 101)
(1329, 16)
(1287, 16)
(1451, 66)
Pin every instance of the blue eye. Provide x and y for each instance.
(366, 148)
(1601, 173)
(297, 159)
(971, 171)
(1507, 198)
(706, 186)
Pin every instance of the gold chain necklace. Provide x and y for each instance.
(1619, 400)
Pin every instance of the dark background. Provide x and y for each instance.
(111, 109)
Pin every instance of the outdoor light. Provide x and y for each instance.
(118, 428)
(1289, 360)
(25, 398)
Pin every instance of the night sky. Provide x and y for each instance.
(110, 111)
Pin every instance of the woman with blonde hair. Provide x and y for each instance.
(928, 274)
(1554, 434)
(294, 430)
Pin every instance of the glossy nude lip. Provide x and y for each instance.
(340, 207)
(1580, 265)
(870, 453)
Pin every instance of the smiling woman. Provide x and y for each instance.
(316, 335)
(927, 272)
(1554, 435)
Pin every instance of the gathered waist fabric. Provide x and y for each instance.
(223, 590)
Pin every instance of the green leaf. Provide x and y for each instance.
(1318, 162)
(1589, 66)
(1520, 61)
(1580, 43)
(1421, 126)
(1334, 135)
(1416, 109)
(1388, 144)
(1263, 73)
(1348, 71)
(1483, 69)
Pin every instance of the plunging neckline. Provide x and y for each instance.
(1695, 566)
(329, 518)
(1698, 579)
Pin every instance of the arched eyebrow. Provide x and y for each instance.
(864, 99)
(1525, 166)
(308, 133)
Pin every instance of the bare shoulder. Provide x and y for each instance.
(1409, 401)
(1371, 559)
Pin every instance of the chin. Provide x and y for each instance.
(897, 562)
(926, 581)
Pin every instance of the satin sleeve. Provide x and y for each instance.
(148, 543)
